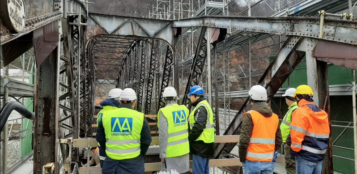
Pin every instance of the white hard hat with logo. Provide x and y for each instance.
(258, 93)
(289, 92)
(114, 93)
(169, 92)
(128, 94)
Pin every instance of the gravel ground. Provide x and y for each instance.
(13, 152)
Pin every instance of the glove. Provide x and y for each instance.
(275, 156)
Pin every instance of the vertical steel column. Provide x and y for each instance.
(354, 115)
(166, 76)
(209, 69)
(250, 61)
(216, 91)
(4, 135)
(150, 82)
(46, 110)
(142, 77)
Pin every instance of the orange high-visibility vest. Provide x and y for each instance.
(262, 141)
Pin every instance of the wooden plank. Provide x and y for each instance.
(154, 132)
(94, 125)
(95, 116)
(152, 167)
(150, 116)
(91, 142)
(152, 124)
(155, 140)
(94, 134)
(226, 139)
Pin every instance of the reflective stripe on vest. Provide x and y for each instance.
(177, 140)
(262, 141)
(312, 150)
(123, 133)
(207, 135)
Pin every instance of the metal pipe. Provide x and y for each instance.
(354, 115)
(249, 8)
(322, 22)
(209, 66)
(9, 107)
(250, 62)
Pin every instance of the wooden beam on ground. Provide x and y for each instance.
(152, 167)
(94, 125)
(152, 124)
(95, 116)
(226, 139)
(150, 116)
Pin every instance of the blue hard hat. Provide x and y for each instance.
(196, 90)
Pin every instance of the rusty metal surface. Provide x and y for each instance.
(31, 25)
(336, 53)
(45, 40)
(14, 49)
(45, 133)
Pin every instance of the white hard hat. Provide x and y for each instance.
(169, 92)
(114, 93)
(289, 92)
(128, 94)
(258, 93)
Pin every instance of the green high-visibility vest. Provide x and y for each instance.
(102, 112)
(207, 135)
(122, 128)
(285, 124)
(177, 143)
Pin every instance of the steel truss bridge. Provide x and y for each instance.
(87, 49)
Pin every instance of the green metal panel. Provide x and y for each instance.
(26, 146)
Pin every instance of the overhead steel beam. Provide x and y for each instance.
(275, 75)
(197, 65)
(334, 30)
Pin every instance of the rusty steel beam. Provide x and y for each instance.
(336, 53)
(275, 75)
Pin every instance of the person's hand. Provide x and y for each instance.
(162, 160)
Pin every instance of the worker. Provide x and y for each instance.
(112, 102)
(309, 130)
(173, 134)
(260, 135)
(285, 125)
(95, 161)
(201, 135)
(125, 135)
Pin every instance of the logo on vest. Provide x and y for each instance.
(122, 126)
(179, 118)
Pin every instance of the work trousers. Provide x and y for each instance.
(304, 166)
(102, 156)
(289, 163)
(200, 165)
(257, 167)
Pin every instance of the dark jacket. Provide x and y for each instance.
(199, 147)
(247, 129)
(144, 145)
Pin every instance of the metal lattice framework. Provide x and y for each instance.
(197, 65)
(151, 76)
(166, 75)
(142, 75)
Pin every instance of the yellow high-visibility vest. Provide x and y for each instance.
(207, 135)
(122, 128)
(177, 143)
